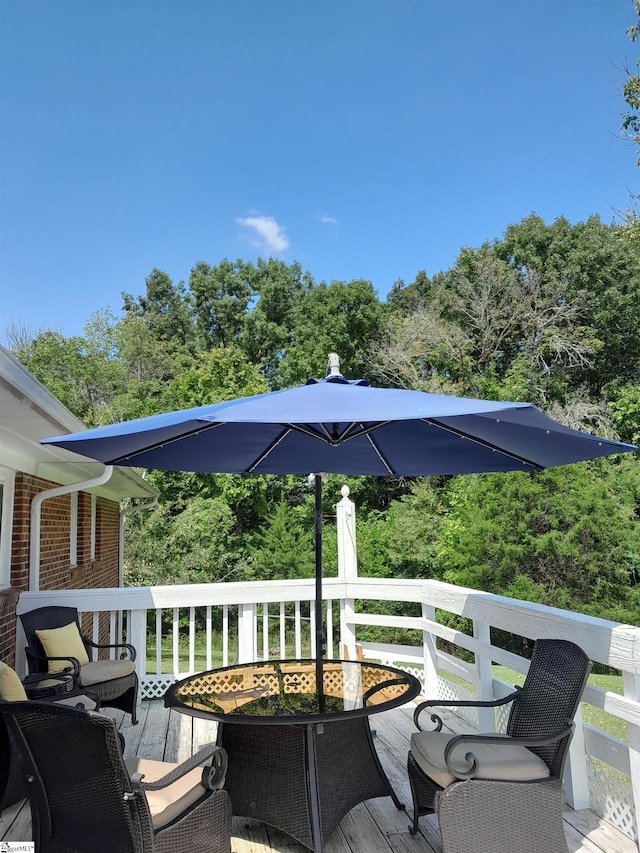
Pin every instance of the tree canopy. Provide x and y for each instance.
(546, 313)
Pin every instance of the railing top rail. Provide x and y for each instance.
(607, 642)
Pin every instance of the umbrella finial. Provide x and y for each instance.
(333, 367)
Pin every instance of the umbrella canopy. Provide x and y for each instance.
(344, 427)
(335, 425)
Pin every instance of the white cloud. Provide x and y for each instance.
(268, 235)
(328, 220)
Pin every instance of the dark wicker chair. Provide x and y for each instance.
(503, 792)
(13, 783)
(85, 798)
(114, 681)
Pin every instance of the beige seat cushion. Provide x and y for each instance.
(11, 688)
(167, 804)
(98, 671)
(509, 762)
(58, 642)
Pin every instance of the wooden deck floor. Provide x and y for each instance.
(372, 827)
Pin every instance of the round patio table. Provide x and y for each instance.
(299, 758)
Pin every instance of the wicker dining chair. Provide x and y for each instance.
(13, 784)
(85, 798)
(503, 792)
(55, 642)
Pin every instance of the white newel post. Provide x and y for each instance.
(137, 636)
(484, 674)
(247, 633)
(576, 779)
(347, 568)
(429, 655)
(631, 687)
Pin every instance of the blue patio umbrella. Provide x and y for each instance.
(335, 425)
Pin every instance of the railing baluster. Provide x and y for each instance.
(329, 632)
(298, 631)
(176, 643)
(225, 635)
(192, 639)
(265, 631)
(208, 638)
(158, 642)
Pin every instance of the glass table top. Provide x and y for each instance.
(286, 691)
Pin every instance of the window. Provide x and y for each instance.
(7, 478)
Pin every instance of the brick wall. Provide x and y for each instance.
(55, 568)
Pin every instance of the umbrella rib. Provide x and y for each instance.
(164, 442)
(260, 459)
(323, 434)
(380, 455)
(483, 443)
(326, 438)
(348, 433)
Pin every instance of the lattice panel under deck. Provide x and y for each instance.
(155, 689)
(502, 717)
(450, 690)
(611, 798)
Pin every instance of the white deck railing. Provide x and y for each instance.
(203, 626)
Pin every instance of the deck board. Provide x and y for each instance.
(372, 827)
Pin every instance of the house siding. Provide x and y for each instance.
(56, 571)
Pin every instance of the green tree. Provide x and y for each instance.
(221, 373)
(626, 413)
(486, 329)
(340, 317)
(196, 507)
(561, 536)
(84, 373)
(149, 366)
(198, 545)
(409, 298)
(221, 297)
(166, 309)
(270, 325)
(283, 547)
(597, 266)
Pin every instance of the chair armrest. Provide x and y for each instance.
(44, 686)
(471, 759)
(212, 775)
(453, 703)
(73, 664)
(130, 649)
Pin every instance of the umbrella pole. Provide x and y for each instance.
(318, 606)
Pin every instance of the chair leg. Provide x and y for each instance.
(134, 707)
(127, 701)
(131, 699)
(423, 792)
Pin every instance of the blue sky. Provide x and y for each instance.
(363, 138)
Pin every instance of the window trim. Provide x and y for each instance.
(7, 480)
(73, 531)
(94, 525)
